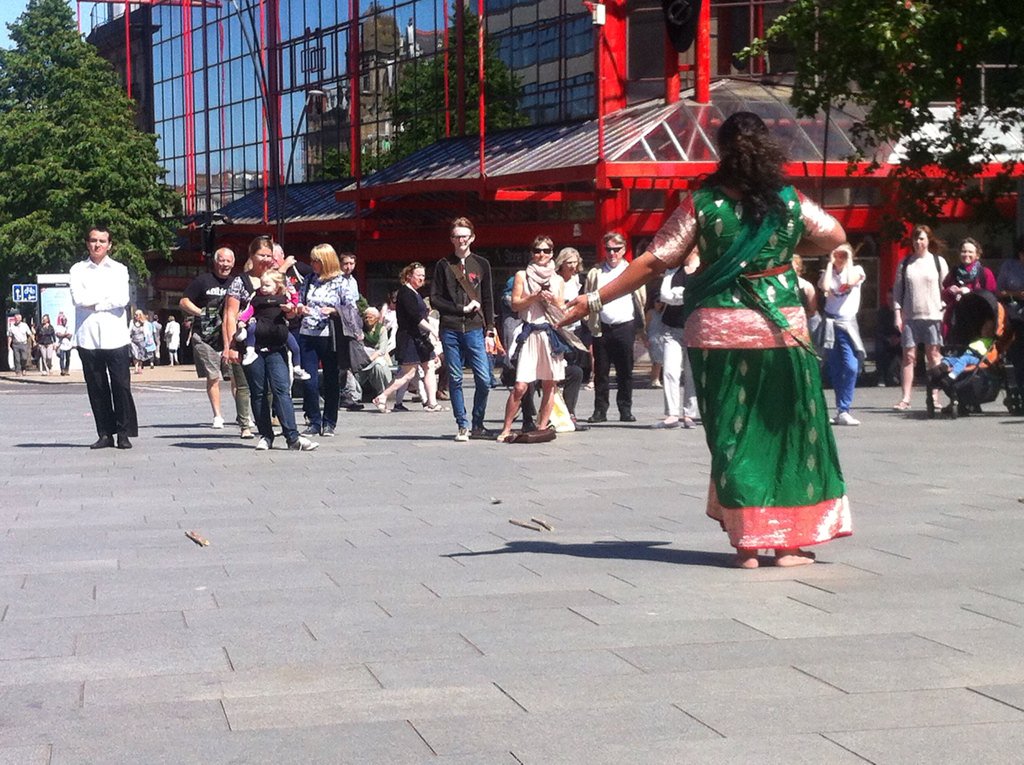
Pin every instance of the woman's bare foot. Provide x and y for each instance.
(746, 559)
(793, 556)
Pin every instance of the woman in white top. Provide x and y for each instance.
(841, 282)
(172, 336)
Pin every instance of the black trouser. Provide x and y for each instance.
(614, 348)
(571, 387)
(108, 382)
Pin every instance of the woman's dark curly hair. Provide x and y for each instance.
(750, 162)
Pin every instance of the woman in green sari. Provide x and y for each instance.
(775, 477)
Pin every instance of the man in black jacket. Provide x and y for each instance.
(461, 293)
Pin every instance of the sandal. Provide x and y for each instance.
(382, 406)
(902, 406)
(506, 438)
(434, 408)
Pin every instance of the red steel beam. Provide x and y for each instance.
(524, 195)
(197, 4)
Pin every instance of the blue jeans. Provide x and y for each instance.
(461, 348)
(957, 364)
(312, 352)
(842, 370)
(270, 370)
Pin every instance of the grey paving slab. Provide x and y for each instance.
(25, 755)
(948, 672)
(502, 670)
(766, 750)
(277, 681)
(383, 742)
(948, 744)
(648, 722)
(912, 709)
(541, 695)
(765, 653)
(247, 713)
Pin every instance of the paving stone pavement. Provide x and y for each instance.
(370, 603)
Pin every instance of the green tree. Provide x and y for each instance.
(417, 106)
(70, 154)
(898, 58)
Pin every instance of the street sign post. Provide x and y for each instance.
(24, 293)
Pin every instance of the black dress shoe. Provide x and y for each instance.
(355, 407)
(123, 442)
(103, 442)
(598, 417)
(627, 417)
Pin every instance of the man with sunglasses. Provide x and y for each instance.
(614, 326)
(461, 293)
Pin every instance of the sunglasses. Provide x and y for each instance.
(614, 249)
(539, 250)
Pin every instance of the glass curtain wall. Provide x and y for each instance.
(219, 71)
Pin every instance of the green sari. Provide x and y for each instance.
(775, 475)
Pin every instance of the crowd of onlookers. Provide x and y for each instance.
(344, 353)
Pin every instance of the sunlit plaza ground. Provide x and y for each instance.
(370, 602)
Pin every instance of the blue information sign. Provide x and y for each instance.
(24, 293)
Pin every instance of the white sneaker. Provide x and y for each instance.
(845, 418)
(262, 445)
(303, 444)
(300, 373)
(462, 435)
(218, 423)
(249, 357)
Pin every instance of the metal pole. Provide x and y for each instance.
(703, 84)
(128, 48)
(481, 98)
(206, 111)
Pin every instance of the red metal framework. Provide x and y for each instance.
(188, 71)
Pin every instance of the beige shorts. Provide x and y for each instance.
(209, 364)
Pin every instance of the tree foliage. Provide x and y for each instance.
(70, 154)
(898, 58)
(417, 106)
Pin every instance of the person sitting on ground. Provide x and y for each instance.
(269, 306)
(375, 375)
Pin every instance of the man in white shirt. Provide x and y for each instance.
(99, 290)
(614, 326)
(19, 339)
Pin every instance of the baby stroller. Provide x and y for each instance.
(980, 382)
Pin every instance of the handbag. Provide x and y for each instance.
(423, 345)
(561, 420)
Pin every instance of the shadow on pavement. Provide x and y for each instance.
(656, 552)
(52, 446)
(210, 445)
(406, 438)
